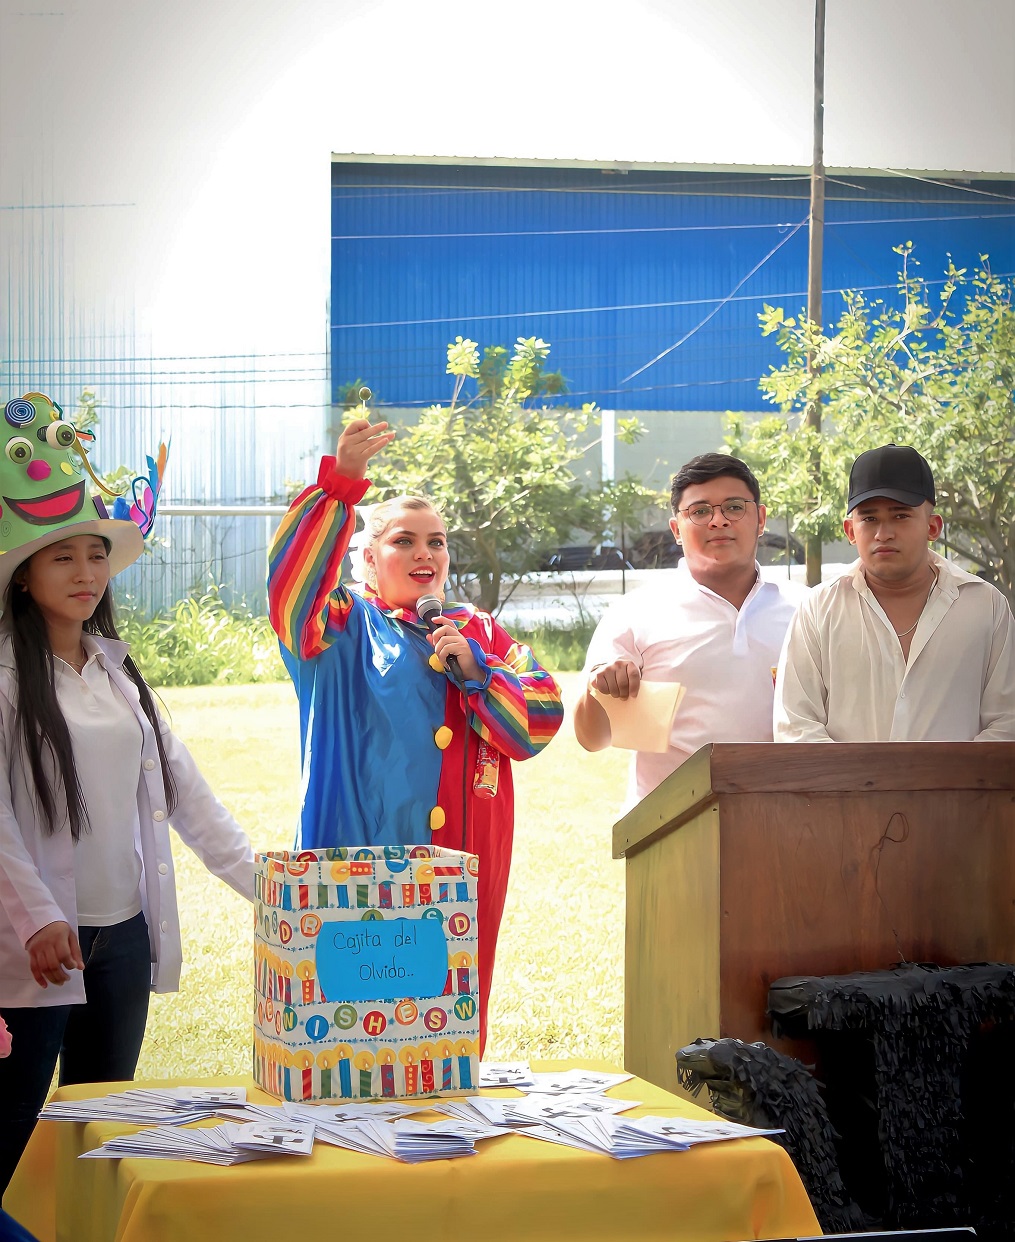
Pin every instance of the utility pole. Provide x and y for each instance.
(815, 250)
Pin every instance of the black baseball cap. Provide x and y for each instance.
(894, 471)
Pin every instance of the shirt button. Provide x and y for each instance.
(159, 816)
(437, 819)
(164, 925)
(163, 868)
(149, 764)
(442, 738)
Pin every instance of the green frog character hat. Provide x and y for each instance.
(44, 472)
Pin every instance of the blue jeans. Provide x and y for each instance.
(99, 1041)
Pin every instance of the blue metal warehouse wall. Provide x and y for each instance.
(613, 269)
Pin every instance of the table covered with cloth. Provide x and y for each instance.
(514, 1188)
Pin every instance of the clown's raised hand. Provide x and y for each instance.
(359, 441)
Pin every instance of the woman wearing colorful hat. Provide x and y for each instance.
(91, 776)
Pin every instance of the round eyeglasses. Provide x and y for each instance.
(733, 509)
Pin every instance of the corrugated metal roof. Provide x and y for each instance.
(615, 268)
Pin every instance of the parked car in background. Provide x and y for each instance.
(772, 550)
(655, 549)
(658, 550)
(577, 557)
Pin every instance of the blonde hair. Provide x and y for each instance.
(383, 514)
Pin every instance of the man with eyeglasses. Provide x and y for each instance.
(905, 646)
(713, 625)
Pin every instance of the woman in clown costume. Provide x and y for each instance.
(91, 777)
(389, 738)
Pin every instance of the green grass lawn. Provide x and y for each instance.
(558, 987)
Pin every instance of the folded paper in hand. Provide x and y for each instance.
(643, 722)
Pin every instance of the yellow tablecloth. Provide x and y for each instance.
(515, 1188)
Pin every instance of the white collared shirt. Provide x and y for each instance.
(680, 631)
(843, 676)
(106, 739)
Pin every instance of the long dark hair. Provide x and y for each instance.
(39, 720)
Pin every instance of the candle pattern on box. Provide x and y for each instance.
(366, 973)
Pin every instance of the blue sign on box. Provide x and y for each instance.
(382, 959)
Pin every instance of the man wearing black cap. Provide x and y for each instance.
(905, 646)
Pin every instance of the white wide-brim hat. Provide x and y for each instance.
(126, 543)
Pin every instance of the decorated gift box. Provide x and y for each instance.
(366, 973)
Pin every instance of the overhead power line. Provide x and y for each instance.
(482, 317)
(663, 228)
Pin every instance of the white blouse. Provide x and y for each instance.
(106, 739)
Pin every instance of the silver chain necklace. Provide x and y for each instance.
(903, 633)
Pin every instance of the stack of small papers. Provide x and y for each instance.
(414, 1141)
(535, 1109)
(143, 1106)
(365, 1128)
(258, 1130)
(228, 1143)
(356, 1127)
(570, 1082)
(505, 1074)
(626, 1137)
(333, 1116)
(477, 1110)
(567, 1107)
(246, 1112)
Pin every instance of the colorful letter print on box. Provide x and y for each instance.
(367, 979)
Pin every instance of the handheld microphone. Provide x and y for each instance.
(430, 611)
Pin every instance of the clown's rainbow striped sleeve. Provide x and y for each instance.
(306, 604)
(520, 710)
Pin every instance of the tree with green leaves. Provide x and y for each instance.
(507, 470)
(934, 369)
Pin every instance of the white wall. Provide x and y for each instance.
(164, 164)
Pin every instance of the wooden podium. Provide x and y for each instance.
(760, 860)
